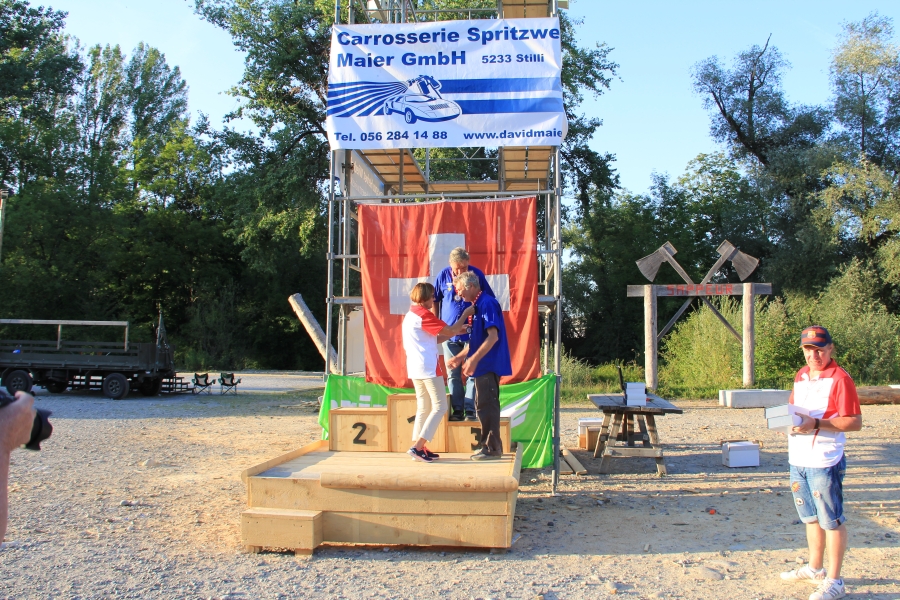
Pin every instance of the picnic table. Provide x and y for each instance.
(630, 424)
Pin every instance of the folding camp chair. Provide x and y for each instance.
(228, 383)
(201, 383)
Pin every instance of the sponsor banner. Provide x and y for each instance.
(446, 83)
(529, 406)
(403, 244)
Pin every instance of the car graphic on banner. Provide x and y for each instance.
(422, 101)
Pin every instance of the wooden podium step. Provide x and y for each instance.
(402, 414)
(312, 495)
(465, 436)
(389, 429)
(359, 430)
(297, 530)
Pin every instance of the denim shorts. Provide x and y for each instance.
(819, 494)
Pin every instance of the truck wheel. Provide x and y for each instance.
(151, 387)
(116, 386)
(56, 387)
(18, 380)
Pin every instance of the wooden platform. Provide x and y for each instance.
(314, 495)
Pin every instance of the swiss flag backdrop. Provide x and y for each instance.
(402, 244)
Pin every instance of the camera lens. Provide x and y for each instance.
(40, 430)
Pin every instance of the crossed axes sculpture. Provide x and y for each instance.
(744, 265)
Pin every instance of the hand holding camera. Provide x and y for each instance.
(21, 423)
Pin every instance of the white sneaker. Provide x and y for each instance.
(829, 589)
(805, 573)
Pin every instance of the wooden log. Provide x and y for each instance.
(749, 336)
(872, 395)
(574, 462)
(650, 358)
(313, 329)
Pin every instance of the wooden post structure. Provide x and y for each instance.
(650, 347)
(749, 336)
(744, 264)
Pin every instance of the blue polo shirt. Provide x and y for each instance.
(452, 306)
(489, 314)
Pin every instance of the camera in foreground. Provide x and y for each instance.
(40, 430)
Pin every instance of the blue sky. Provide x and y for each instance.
(653, 121)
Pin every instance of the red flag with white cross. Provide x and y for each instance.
(404, 244)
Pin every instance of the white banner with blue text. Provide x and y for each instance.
(446, 83)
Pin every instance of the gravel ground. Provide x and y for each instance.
(141, 498)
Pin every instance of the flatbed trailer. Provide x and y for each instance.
(115, 368)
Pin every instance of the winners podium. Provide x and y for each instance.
(390, 429)
(361, 487)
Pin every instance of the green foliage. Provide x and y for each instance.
(866, 336)
(700, 357)
(810, 190)
(778, 354)
(865, 73)
(711, 202)
(580, 378)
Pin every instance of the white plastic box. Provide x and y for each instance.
(740, 454)
(784, 417)
(635, 394)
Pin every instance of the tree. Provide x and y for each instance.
(863, 205)
(865, 73)
(747, 100)
(38, 72)
(102, 117)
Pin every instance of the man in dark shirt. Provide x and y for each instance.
(485, 359)
(448, 306)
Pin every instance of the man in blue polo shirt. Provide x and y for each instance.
(485, 359)
(449, 305)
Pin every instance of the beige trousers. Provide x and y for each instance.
(431, 405)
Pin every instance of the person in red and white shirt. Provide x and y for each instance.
(828, 405)
(422, 332)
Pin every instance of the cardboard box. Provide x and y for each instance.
(588, 441)
(588, 430)
(740, 454)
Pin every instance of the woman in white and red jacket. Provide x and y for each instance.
(422, 332)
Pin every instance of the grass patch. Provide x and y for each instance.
(580, 378)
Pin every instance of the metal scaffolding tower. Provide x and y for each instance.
(404, 175)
